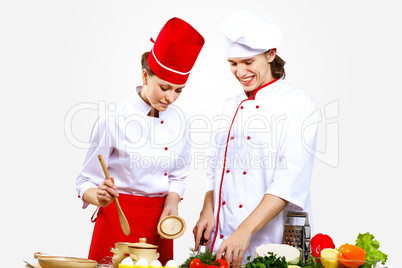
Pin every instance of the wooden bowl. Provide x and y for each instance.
(171, 227)
(47, 261)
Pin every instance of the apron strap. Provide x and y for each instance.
(95, 215)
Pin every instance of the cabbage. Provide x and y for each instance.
(291, 254)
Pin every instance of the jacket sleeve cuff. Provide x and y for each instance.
(177, 187)
(82, 189)
(209, 185)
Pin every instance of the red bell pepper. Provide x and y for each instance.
(320, 242)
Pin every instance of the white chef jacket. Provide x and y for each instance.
(265, 154)
(146, 156)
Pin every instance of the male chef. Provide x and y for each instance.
(261, 163)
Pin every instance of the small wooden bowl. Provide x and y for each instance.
(171, 227)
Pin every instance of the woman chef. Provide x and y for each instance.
(261, 146)
(145, 145)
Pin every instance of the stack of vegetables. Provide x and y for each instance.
(364, 253)
(208, 260)
(204, 260)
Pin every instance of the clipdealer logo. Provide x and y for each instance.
(326, 119)
(78, 110)
(327, 147)
(118, 126)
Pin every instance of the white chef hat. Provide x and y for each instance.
(249, 33)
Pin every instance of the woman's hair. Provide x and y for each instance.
(278, 67)
(144, 64)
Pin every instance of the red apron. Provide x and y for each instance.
(142, 214)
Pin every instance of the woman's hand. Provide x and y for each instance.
(171, 205)
(234, 247)
(102, 196)
(106, 193)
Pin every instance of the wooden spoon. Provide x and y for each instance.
(122, 218)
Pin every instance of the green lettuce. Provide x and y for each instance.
(367, 242)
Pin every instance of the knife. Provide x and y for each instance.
(201, 247)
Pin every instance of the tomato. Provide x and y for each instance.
(221, 263)
(196, 263)
(351, 255)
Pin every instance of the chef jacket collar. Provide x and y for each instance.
(265, 86)
(139, 103)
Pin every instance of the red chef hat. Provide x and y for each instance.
(175, 51)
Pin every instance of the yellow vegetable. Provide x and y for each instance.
(329, 258)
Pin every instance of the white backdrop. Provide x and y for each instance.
(57, 57)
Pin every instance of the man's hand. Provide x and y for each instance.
(206, 222)
(234, 247)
